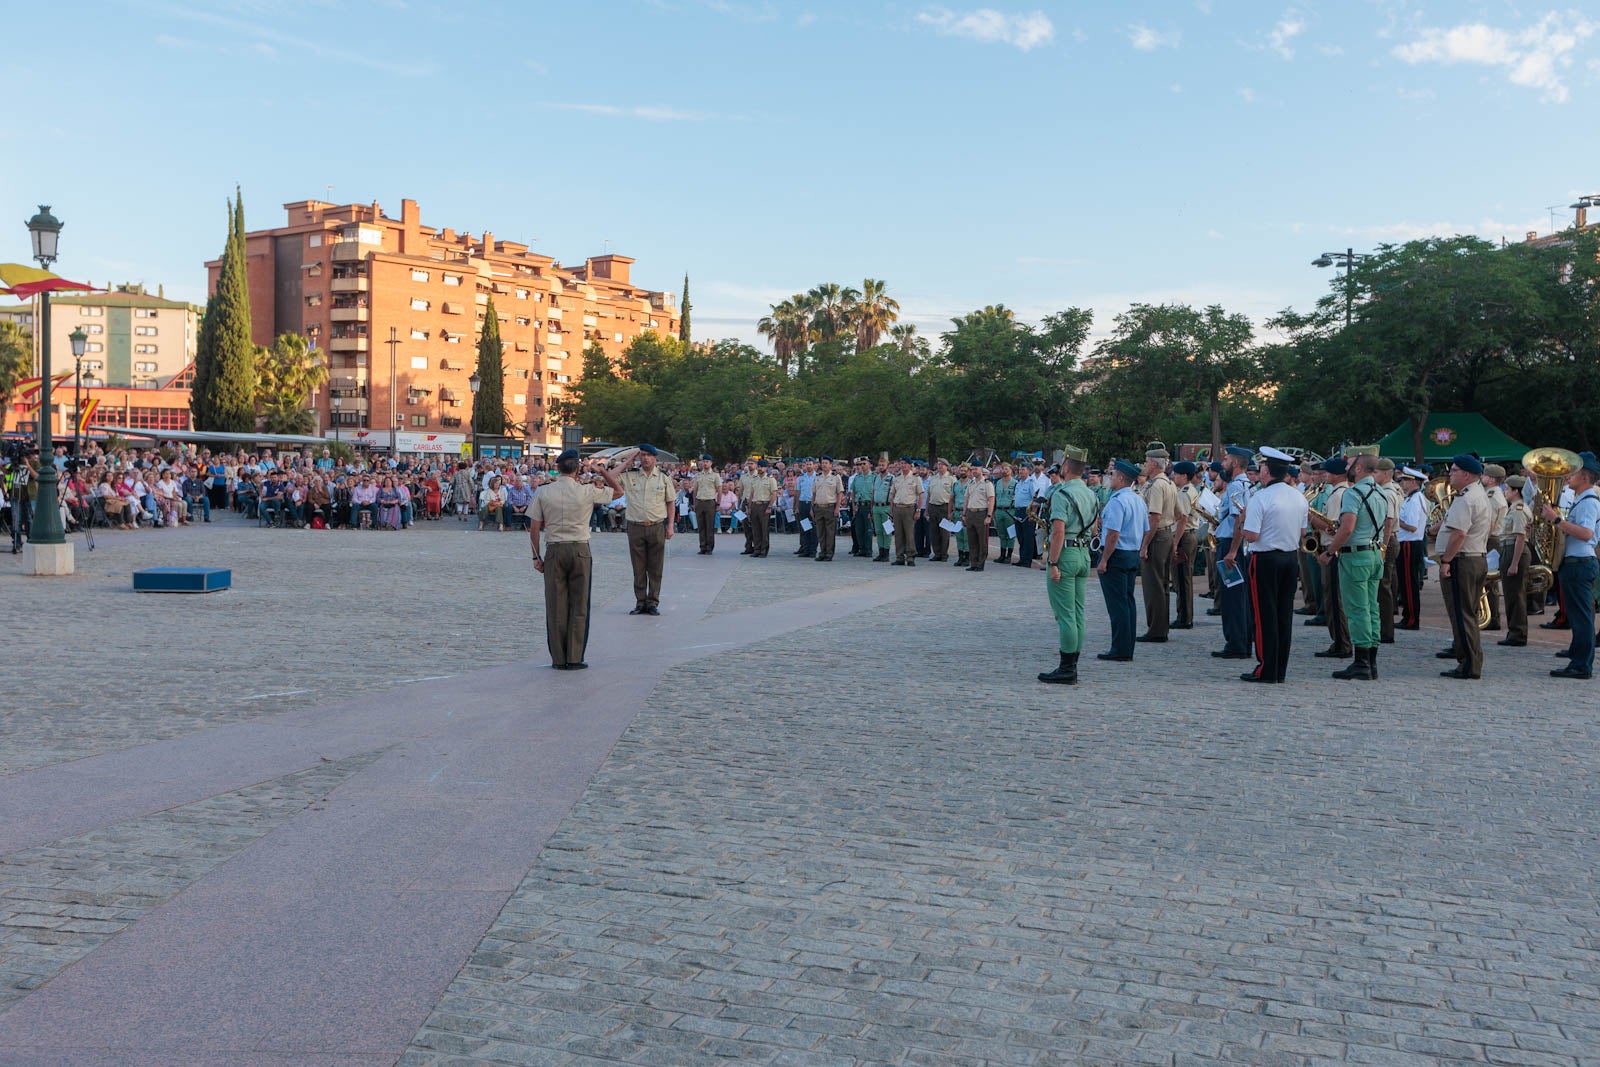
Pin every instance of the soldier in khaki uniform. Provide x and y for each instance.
(759, 490)
(707, 483)
(1389, 584)
(1494, 477)
(826, 492)
(1167, 522)
(977, 513)
(941, 486)
(745, 476)
(561, 510)
(905, 500)
(1515, 558)
(1461, 547)
(649, 516)
(1325, 523)
(1184, 545)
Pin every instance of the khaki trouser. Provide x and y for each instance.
(1155, 575)
(975, 524)
(1184, 575)
(904, 517)
(1338, 625)
(705, 515)
(759, 528)
(1388, 591)
(566, 600)
(1515, 588)
(941, 537)
(647, 548)
(825, 517)
(1461, 592)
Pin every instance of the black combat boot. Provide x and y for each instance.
(1360, 670)
(1066, 673)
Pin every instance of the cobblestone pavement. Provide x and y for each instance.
(878, 839)
(906, 851)
(312, 616)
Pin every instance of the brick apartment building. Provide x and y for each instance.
(347, 275)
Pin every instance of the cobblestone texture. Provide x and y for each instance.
(59, 901)
(894, 847)
(312, 616)
(803, 578)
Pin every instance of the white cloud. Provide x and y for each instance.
(1288, 28)
(649, 113)
(1533, 58)
(1025, 31)
(1145, 39)
(1247, 94)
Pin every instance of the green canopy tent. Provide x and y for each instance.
(1447, 435)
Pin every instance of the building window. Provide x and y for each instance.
(93, 365)
(94, 327)
(618, 338)
(523, 320)
(451, 308)
(554, 312)
(144, 313)
(419, 362)
(452, 279)
(145, 350)
(418, 335)
(522, 294)
(519, 398)
(419, 304)
(145, 331)
(315, 240)
(144, 368)
(419, 420)
(420, 275)
(91, 313)
(520, 372)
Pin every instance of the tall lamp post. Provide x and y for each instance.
(80, 344)
(45, 229)
(474, 383)
(1349, 258)
(337, 402)
(394, 417)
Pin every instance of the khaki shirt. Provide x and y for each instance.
(1472, 512)
(649, 496)
(1396, 497)
(564, 506)
(980, 495)
(905, 489)
(1515, 522)
(1498, 505)
(827, 489)
(1188, 499)
(1330, 510)
(940, 487)
(760, 489)
(1161, 499)
(707, 484)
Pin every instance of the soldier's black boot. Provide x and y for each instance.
(1360, 670)
(1372, 662)
(882, 557)
(1066, 673)
(961, 559)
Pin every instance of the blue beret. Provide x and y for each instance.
(1467, 462)
(1336, 465)
(1214, 467)
(827, 459)
(648, 449)
(762, 463)
(1589, 462)
(1129, 470)
(1183, 466)
(571, 453)
(705, 455)
(1294, 472)
(1241, 452)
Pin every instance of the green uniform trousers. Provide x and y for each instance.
(1359, 574)
(1067, 596)
(880, 514)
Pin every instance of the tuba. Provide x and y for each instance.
(1549, 468)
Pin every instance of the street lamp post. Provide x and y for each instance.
(1349, 258)
(337, 402)
(394, 416)
(80, 344)
(474, 383)
(46, 529)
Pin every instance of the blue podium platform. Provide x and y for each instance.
(182, 580)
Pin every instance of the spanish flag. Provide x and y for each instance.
(25, 282)
(87, 414)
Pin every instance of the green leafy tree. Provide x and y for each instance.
(224, 392)
(286, 374)
(16, 363)
(488, 404)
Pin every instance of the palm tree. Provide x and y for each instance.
(789, 330)
(832, 309)
(16, 363)
(906, 339)
(875, 313)
(286, 374)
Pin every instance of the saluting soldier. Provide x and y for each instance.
(1515, 558)
(905, 501)
(707, 484)
(977, 514)
(1357, 550)
(1461, 547)
(759, 491)
(861, 509)
(1123, 523)
(882, 489)
(1005, 488)
(1494, 477)
(649, 513)
(1184, 543)
(826, 490)
(1155, 554)
(941, 489)
(1071, 519)
(560, 511)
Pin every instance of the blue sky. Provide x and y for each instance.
(1036, 155)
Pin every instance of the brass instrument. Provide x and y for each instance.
(1440, 495)
(1549, 468)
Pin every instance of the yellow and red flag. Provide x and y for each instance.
(25, 282)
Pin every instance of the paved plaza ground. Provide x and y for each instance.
(345, 815)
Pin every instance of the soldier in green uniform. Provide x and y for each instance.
(958, 505)
(861, 509)
(1357, 550)
(1072, 512)
(1005, 488)
(882, 480)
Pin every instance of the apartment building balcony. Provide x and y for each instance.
(348, 344)
(349, 285)
(339, 314)
(345, 251)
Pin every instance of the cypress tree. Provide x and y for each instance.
(205, 356)
(683, 321)
(233, 384)
(488, 404)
